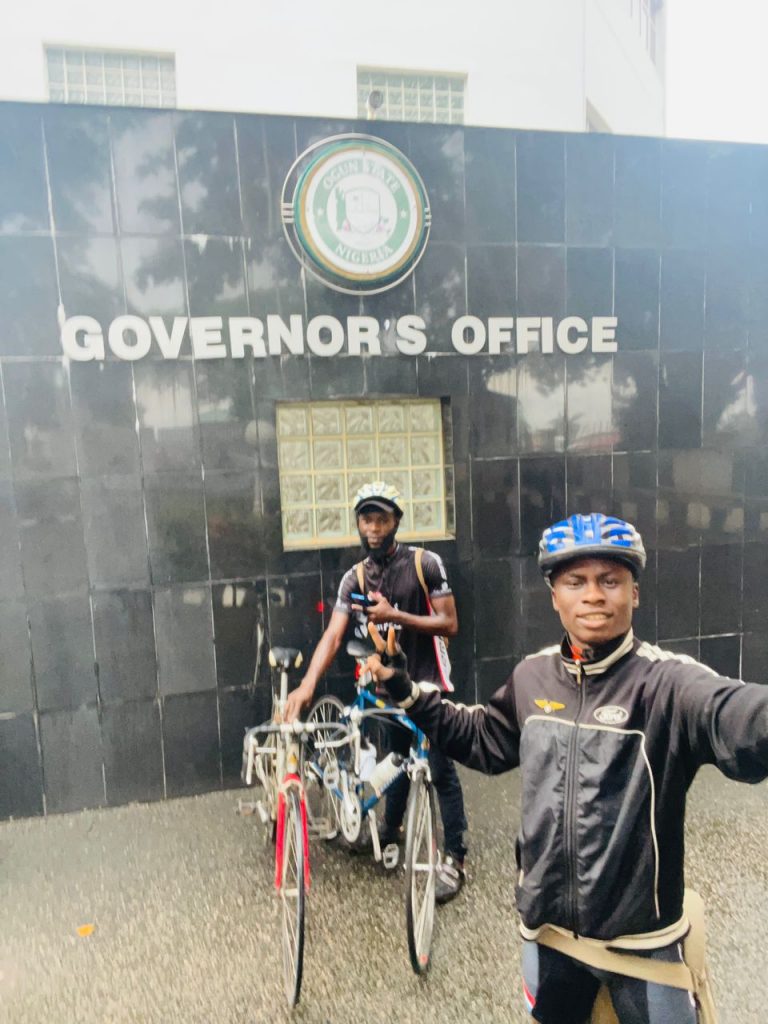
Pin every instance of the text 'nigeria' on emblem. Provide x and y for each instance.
(356, 214)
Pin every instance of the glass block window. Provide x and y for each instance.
(115, 77)
(412, 97)
(327, 450)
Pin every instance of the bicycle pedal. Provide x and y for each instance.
(390, 856)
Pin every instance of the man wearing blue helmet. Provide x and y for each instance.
(609, 733)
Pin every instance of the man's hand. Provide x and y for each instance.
(381, 611)
(298, 700)
(389, 667)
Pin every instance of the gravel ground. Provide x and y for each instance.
(186, 927)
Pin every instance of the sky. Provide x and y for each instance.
(717, 70)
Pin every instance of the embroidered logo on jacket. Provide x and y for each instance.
(548, 706)
(611, 714)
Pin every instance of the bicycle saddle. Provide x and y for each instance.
(358, 649)
(285, 657)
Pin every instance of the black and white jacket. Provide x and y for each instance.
(607, 750)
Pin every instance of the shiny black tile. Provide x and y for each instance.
(311, 130)
(635, 383)
(636, 299)
(21, 779)
(678, 593)
(730, 415)
(680, 390)
(29, 297)
(62, 652)
(165, 406)
(235, 524)
(71, 744)
(497, 589)
(16, 693)
(492, 282)
(292, 607)
(682, 301)
(541, 404)
(438, 153)
(210, 197)
(723, 654)
(727, 318)
(215, 277)
(132, 747)
(23, 189)
(105, 418)
(335, 378)
(176, 527)
(542, 498)
(145, 172)
(720, 583)
(540, 187)
(123, 628)
(443, 376)
(495, 507)
(754, 657)
(184, 632)
(240, 629)
(638, 192)
(79, 167)
(644, 621)
(492, 673)
(273, 279)
(589, 403)
(191, 744)
(395, 376)
(489, 158)
(589, 483)
(493, 409)
(51, 532)
(730, 175)
(539, 624)
(89, 272)
(266, 149)
(238, 711)
(589, 282)
(589, 189)
(689, 647)
(227, 414)
(281, 377)
(5, 447)
(39, 420)
(115, 531)
(540, 281)
(683, 193)
(440, 293)
(10, 554)
(755, 592)
(387, 309)
(153, 271)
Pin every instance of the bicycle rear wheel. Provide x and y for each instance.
(420, 868)
(291, 893)
(321, 764)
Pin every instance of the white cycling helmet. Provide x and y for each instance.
(591, 536)
(380, 496)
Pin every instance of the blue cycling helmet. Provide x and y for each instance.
(595, 536)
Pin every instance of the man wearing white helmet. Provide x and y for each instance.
(420, 613)
(608, 732)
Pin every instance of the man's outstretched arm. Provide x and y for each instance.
(325, 652)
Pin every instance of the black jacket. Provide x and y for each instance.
(607, 750)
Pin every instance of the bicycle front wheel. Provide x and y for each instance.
(420, 869)
(321, 766)
(292, 894)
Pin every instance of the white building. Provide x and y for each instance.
(547, 64)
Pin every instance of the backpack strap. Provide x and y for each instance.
(418, 555)
(360, 576)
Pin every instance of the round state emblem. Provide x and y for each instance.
(356, 213)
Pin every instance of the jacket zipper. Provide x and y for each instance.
(570, 810)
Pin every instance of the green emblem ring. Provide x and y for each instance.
(359, 213)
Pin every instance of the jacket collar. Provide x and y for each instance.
(595, 660)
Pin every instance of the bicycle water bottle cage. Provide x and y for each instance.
(360, 650)
(285, 657)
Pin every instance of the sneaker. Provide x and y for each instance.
(451, 877)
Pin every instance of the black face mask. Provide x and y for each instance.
(380, 553)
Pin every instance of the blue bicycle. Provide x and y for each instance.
(345, 784)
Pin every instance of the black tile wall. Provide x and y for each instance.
(141, 551)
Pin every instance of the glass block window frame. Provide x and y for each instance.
(119, 78)
(413, 95)
(327, 450)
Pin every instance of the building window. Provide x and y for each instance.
(407, 96)
(118, 78)
(328, 450)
